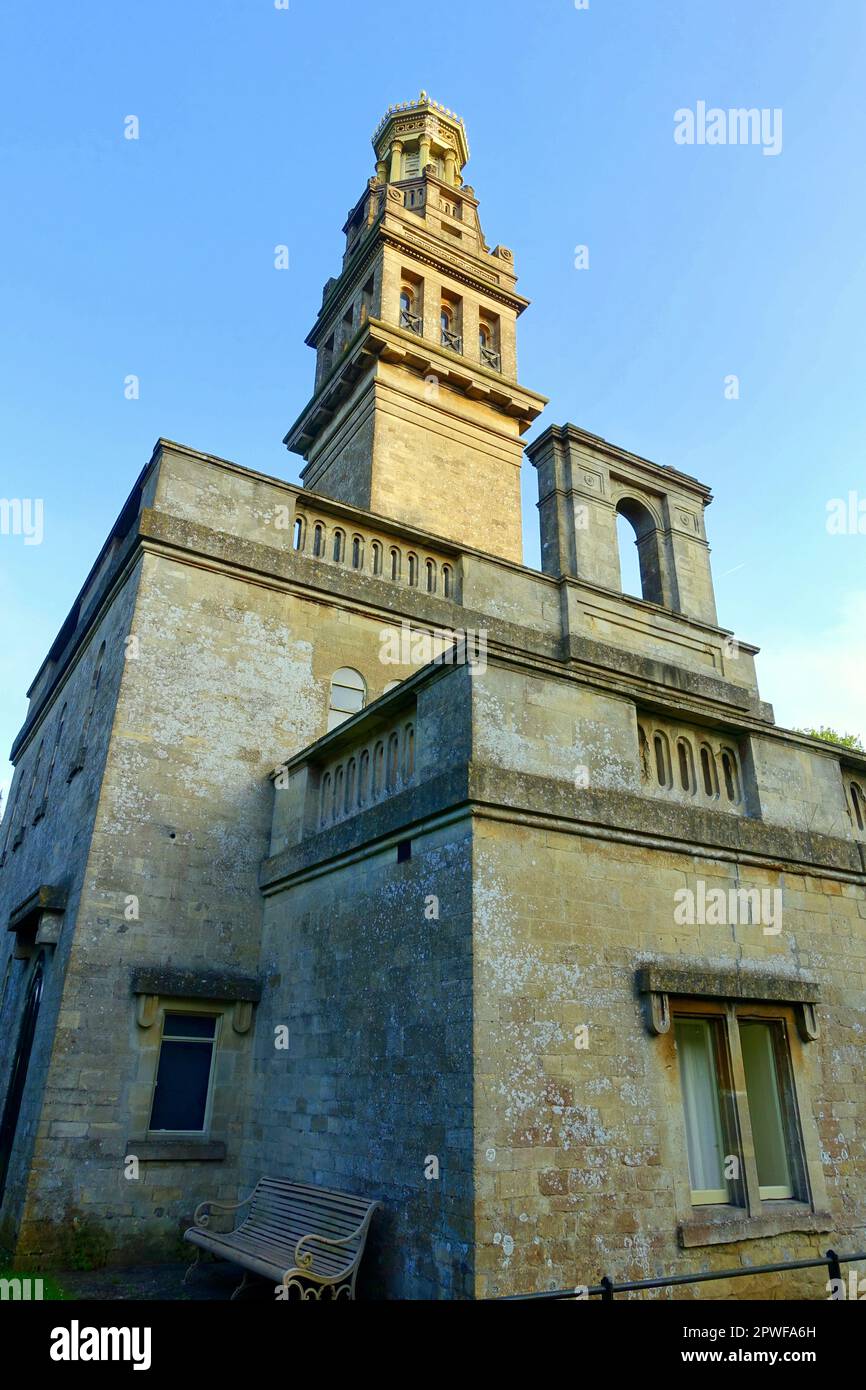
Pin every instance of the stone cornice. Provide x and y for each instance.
(596, 444)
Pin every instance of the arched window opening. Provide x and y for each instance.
(363, 778)
(393, 761)
(430, 576)
(318, 540)
(378, 770)
(325, 804)
(376, 555)
(298, 534)
(78, 761)
(351, 771)
(662, 760)
(640, 568)
(686, 761)
(33, 780)
(409, 316)
(348, 695)
(408, 752)
(859, 803)
(357, 552)
(708, 771)
(339, 547)
(447, 581)
(390, 685)
(395, 563)
(41, 808)
(731, 775)
(413, 571)
(338, 793)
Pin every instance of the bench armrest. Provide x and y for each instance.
(201, 1215)
(305, 1261)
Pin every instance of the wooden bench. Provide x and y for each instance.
(306, 1238)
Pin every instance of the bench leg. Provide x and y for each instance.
(186, 1277)
(242, 1285)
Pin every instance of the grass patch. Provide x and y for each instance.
(11, 1281)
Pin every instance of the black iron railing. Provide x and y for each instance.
(608, 1288)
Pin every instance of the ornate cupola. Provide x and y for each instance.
(417, 413)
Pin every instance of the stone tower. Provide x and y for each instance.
(417, 413)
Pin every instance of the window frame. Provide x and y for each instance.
(746, 1199)
(203, 1011)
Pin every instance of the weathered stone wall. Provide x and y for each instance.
(228, 677)
(54, 851)
(580, 1155)
(373, 1091)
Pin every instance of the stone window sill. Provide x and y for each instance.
(177, 1150)
(725, 1225)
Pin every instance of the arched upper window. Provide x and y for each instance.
(298, 534)
(662, 754)
(351, 772)
(413, 570)
(81, 753)
(338, 792)
(447, 581)
(409, 317)
(33, 780)
(395, 562)
(731, 774)
(445, 319)
(363, 778)
(339, 546)
(858, 801)
(43, 803)
(640, 572)
(483, 335)
(376, 556)
(378, 770)
(708, 771)
(325, 803)
(390, 685)
(408, 752)
(357, 552)
(393, 760)
(686, 762)
(318, 540)
(348, 695)
(430, 576)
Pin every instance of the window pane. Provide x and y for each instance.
(188, 1026)
(699, 1078)
(180, 1098)
(765, 1109)
(343, 698)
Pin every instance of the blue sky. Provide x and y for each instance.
(155, 257)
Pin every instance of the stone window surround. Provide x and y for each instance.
(721, 991)
(227, 995)
(38, 920)
(696, 739)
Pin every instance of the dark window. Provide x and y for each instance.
(404, 851)
(183, 1076)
